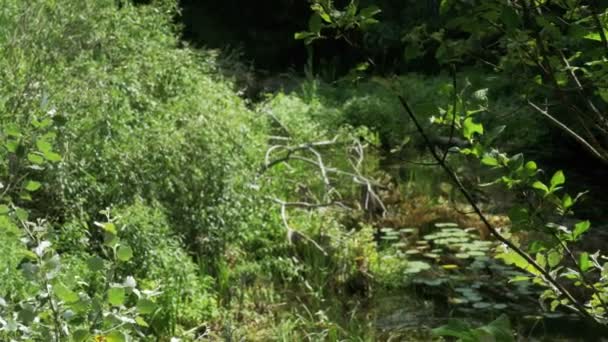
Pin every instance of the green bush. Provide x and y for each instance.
(134, 114)
(160, 262)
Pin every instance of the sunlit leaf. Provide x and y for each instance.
(557, 179)
(470, 127)
(116, 296)
(124, 253)
(580, 228)
(32, 185)
(584, 261)
(65, 294)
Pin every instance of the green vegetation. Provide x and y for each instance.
(150, 191)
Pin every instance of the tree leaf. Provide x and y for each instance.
(32, 185)
(52, 156)
(470, 128)
(95, 263)
(115, 336)
(314, 23)
(80, 335)
(490, 161)
(44, 146)
(124, 253)
(557, 179)
(554, 258)
(145, 306)
(116, 296)
(4, 209)
(65, 294)
(34, 158)
(584, 262)
(580, 228)
(540, 186)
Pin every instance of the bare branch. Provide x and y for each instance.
(570, 132)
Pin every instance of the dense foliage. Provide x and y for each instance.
(151, 191)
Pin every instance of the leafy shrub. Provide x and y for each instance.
(138, 116)
(159, 261)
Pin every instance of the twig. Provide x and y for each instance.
(291, 231)
(569, 131)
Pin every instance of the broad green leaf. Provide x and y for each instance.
(80, 335)
(116, 296)
(52, 156)
(512, 258)
(43, 146)
(490, 161)
(554, 258)
(314, 23)
(141, 322)
(321, 11)
(12, 145)
(32, 185)
(108, 227)
(145, 306)
(584, 261)
(4, 209)
(580, 228)
(540, 186)
(115, 336)
(124, 253)
(27, 314)
(95, 263)
(34, 158)
(531, 167)
(21, 214)
(65, 294)
(541, 260)
(557, 179)
(470, 127)
(12, 130)
(567, 201)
